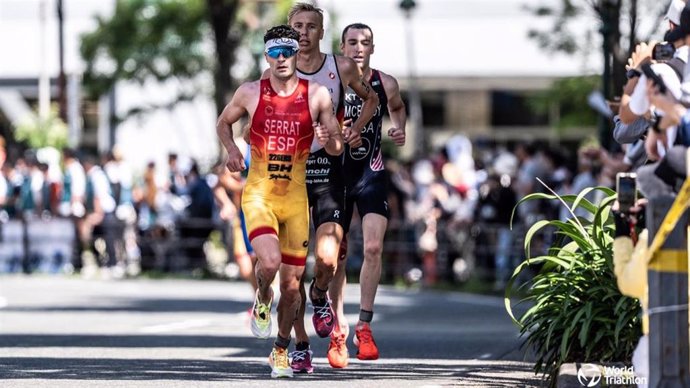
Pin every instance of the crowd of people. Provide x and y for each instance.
(106, 217)
(313, 152)
(652, 125)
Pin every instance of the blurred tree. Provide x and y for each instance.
(618, 22)
(145, 39)
(164, 39)
(566, 102)
(39, 132)
(222, 14)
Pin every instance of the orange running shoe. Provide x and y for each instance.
(364, 341)
(337, 350)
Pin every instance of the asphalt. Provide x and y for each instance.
(73, 332)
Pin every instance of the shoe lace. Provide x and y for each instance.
(364, 335)
(324, 311)
(280, 357)
(299, 355)
(262, 310)
(339, 341)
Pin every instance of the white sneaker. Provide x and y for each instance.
(261, 318)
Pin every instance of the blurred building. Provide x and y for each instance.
(474, 63)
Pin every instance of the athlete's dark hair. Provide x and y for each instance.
(281, 31)
(356, 26)
(305, 7)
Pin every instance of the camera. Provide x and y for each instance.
(663, 51)
(626, 187)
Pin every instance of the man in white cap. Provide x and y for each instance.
(673, 13)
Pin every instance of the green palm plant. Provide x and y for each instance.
(576, 312)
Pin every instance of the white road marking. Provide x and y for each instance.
(176, 326)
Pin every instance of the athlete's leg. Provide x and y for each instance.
(244, 260)
(337, 348)
(373, 229)
(337, 289)
(267, 264)
(301, 335)
(288, 306)
(328, 238)
(301, 357)
(268, 254)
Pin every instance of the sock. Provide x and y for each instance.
(301, 346)
(366, 316)
(318, 301)
(282, 342)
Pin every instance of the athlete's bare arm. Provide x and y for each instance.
(227, 208)
(351, 76)
(236, 108)
(328, 130)
(396, 109)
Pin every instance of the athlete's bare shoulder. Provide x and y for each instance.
(348, 69)
(318, 92)
(247, 96)
(248, 89)
(390, 84)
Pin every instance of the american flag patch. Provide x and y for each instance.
(376, 163)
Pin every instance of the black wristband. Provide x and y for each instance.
(632, 73)
(654, 123)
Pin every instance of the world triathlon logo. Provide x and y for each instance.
(589, 375)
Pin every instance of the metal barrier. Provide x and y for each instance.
(463, 251)
(36, 245)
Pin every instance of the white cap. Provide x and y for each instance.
(674, 10)
(639, 102)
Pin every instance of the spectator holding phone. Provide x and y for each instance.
(651, 61)
(630, 266)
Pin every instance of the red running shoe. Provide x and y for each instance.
(364, 341)
(337, 350)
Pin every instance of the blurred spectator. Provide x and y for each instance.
(148, 209)
(532, 166)
(4, 187)
(119, 176)
(497, 198)
(197, 226)
(73, 186)
(176, 181)
(100, 212)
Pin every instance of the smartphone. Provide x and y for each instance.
(663, 51)
(656, 78)
(626, 187)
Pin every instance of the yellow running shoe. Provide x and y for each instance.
(280, 365)
(261, 318)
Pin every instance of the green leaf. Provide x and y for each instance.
(575, 310)
(531, 232)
